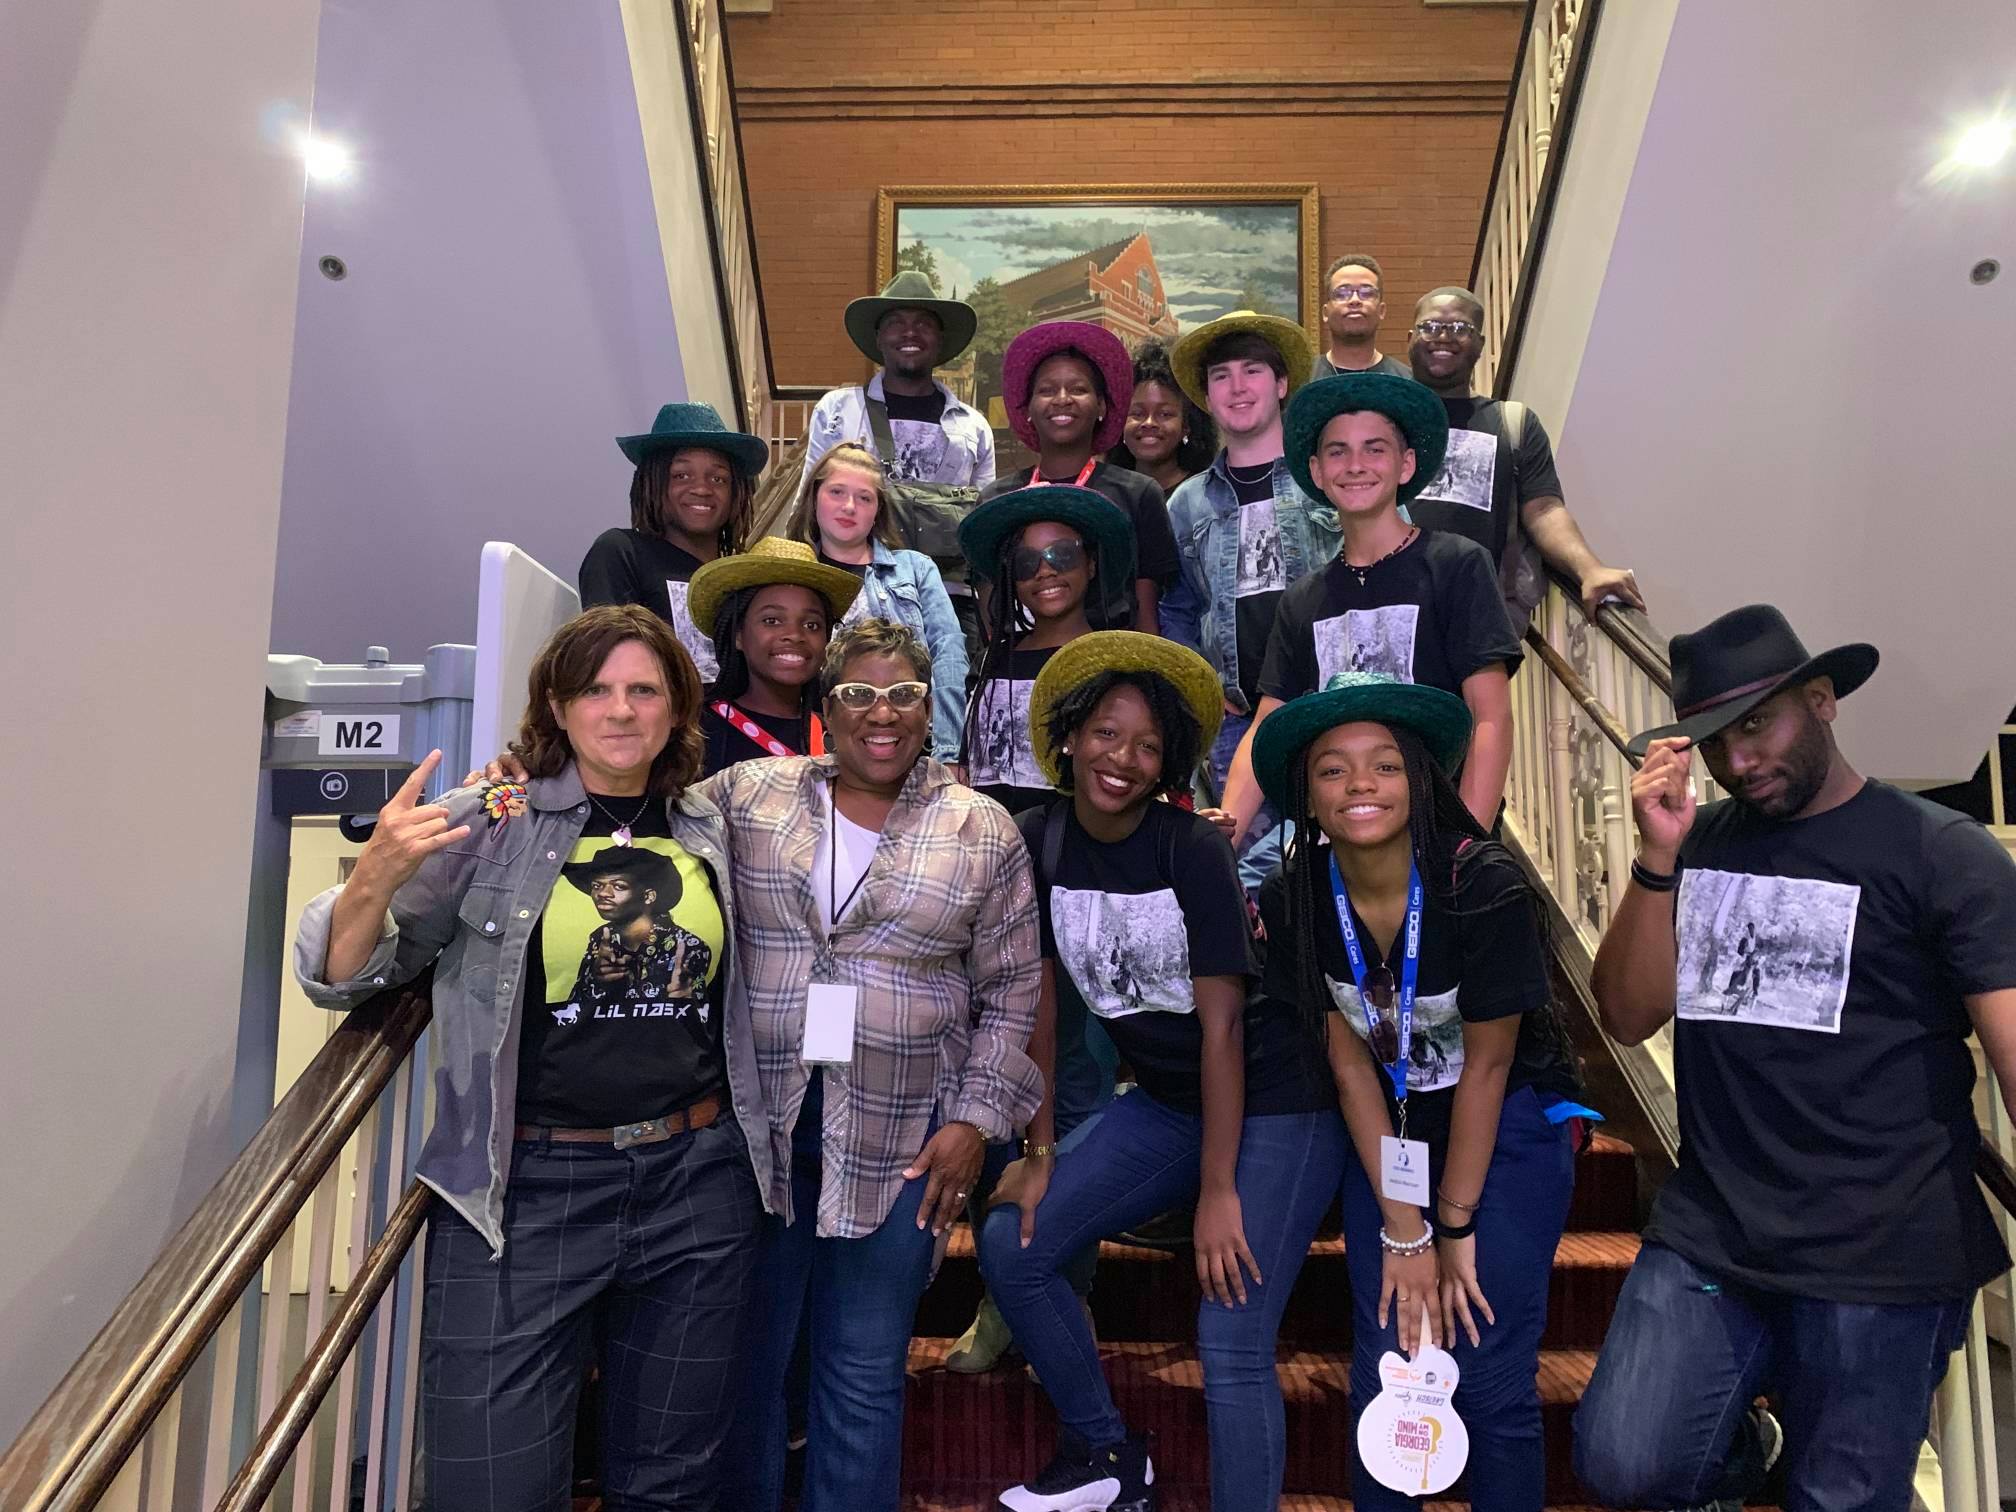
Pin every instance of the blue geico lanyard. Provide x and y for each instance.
(1409, 970)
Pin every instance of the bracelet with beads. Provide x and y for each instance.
(1409, 1247)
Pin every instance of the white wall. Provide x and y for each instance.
(149, 235)
(1789, 390)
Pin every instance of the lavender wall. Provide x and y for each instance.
(505, 315)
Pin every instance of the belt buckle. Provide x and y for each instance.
(651, 1131)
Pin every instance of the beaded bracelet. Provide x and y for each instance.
(1410, 1247)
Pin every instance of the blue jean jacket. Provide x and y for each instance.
(905, 586)
(1200, 610)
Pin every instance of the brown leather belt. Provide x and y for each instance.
(697, 1116)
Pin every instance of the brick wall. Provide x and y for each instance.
(1391, 107)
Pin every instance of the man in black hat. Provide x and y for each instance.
(1497, 484)
(637, 954)
(918, 428)
(1822, 1237)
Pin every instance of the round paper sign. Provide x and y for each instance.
(1410, 1437)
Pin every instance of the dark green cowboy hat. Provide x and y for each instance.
(1408, 404)
(680, 425)
(1105, 526)
(1442, 720)
(911, 290)
(1080, 660)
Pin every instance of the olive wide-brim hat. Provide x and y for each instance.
(770, 560)
(1410, 405)
(1104, 524)
(1442, 720)
(1122, 651)
(681, 425)
(1186, 360)
(1732, 664)
(910, 290)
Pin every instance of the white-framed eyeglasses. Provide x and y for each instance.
(860, 697)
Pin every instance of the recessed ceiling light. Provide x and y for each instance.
(1985, 143)
(329, 161)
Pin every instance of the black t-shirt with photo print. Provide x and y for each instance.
(1826, 1087)
(621, 1002)
(1262, 576)
(1133, 923)
(1137, 496)
(1001, 764)
(1429, 614)
(627, 566)
(1482, 479)
(1482, 959)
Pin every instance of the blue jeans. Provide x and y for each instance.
(1261, 852)
(1140, 1159)
(1525, 1205)
(1665, 1421)
(862, 1298)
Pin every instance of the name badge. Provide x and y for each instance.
(829, 1024)
(1403, 1170)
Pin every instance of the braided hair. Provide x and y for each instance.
(1467, 880)
(1010, 621)
(1182, 736)
(647, 498)
(732, 681)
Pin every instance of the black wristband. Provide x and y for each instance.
(1457, 1231)
(1653, 881)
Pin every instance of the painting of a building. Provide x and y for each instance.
(1116, 286)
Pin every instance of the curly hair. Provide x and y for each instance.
(1182, 736)
(569, 663)
(802, 524)
(1200, 433)
(647, 497)
(872, 637)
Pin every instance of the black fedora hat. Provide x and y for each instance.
(646, 868)
(1732, 664)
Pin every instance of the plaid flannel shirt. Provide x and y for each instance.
(943, 944)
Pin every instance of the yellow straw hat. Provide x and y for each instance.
(1123, 651)
(1286, 337)
(770, 560)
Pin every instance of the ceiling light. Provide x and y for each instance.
(1985, 143)
(329, 161)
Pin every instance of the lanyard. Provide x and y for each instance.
(1410, 968)
(763, 737)
(840, 905)
(1037, 480)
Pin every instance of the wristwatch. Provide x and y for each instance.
(1040, 1151)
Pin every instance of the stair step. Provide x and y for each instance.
(1000, 1427)
(1149, 1294)
(952, 1496)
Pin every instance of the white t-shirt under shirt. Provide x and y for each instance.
(839, 873)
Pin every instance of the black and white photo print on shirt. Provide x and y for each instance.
(1367, 640)
(1261, 569)
(1127, 952)
(920, 450)
(1469, 469)
(1435, 1054)
(698, 645)
(1764, 950)
(1002, 755)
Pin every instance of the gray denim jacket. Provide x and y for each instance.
(470, 910)
(1200, 609)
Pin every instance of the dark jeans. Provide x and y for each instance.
(1525, 1205)
(647, 1250)
(1665, 1421)
(858, 1298)
(1141, 1159)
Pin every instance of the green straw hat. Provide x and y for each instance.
(1105, 526)
(1409, 405)
(1442, 720)
(1122, 651)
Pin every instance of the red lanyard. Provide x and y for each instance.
(1037, 480)
(763, 737)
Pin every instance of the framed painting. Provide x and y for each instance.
(1141, 260)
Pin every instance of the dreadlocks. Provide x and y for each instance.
(1010, 621)
(1182, 737)
(647, 499)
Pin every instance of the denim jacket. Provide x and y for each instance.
(1200, 608)
(905, 586)
(470, 910)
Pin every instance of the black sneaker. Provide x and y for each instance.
(1113, 1478)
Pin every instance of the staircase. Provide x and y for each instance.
(968, 1437)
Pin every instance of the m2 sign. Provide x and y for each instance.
(369, 735)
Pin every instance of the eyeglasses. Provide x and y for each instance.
(1367, 292)
(1379, 994)
(1063, 556)
(1435, 330)
(860, 697)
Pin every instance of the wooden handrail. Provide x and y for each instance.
(295, 1411)
(1566, 675)
(76, 1443)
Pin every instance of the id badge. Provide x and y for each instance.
(1403, 1170)
(829, 1024)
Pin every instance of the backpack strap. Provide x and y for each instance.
(1514, 414)
(1053, 844)
(878, 422)
(1169, 823)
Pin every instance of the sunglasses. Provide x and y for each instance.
(860, 697)
(1063, 556)
(1379, 995)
